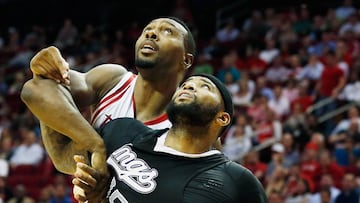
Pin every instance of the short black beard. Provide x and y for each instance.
(192, 114)
(144, 64)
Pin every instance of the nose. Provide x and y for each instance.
(189, 86)
(150, 34)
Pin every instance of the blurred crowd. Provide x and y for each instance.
(293, 75)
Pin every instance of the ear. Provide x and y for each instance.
(188, 60)
(223, 119)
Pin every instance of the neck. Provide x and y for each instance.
(192, 140)
(153, 94)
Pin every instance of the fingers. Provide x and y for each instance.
(50, 64)
(80, 158)
(98, 161)
(85, 187)
(79, 194)
(86, 174)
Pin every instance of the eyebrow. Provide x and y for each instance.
(203, 80)
(166, 22)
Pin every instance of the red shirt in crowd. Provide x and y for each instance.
(330, 78)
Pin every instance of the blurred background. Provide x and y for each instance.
(292, 68)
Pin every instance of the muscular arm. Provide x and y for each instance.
(59, 116)
(65, 131)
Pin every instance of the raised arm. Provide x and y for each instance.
(65, 131)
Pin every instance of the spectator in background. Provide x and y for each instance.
(292, 153)
(274, 27)
(255, 27)
(318, 26)
(4, 168)
(67, 35)
(277, 71)
(270, 51)
(237, 141)
(295, 66)
(6, 144)
(345, 10)
(13, 44)
(203, 64)
(345, 123)
(303, 24)
(228, 33)
(278, 160)
(5, 192)
(275, 197)
(348, 192)
(345, 138)
(20, 195)
(262, 88)
(325, 196)
(22, 57)
(304, 99)
(309, 164)
(269, 129)
(279, 104)
(229, 66)
(287, 34)
(329, 86)
(325, 44)
(255, 65)
(343, 57)
(300, 194)
(320, 141)
(296, 122)
(244, 95)
(326, 183)
(312, 70)
(257, 108)
(183, 12)
(230, 83)
(60, 194)
(332, 22)
(328, 165)
(293, 177)
(29, 151)
(252, 162)
(276, 180)
(351, 91)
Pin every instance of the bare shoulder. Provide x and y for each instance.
(108, 70)
(104, 77)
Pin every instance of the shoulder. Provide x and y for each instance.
(127, 127)
(107, 70)
(249, 187)
(123, 125)
(106, 76)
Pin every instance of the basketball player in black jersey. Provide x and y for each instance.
(179, 164)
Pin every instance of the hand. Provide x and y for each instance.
(50, 64)
(89, 185)
(98, 159)
(335, 93)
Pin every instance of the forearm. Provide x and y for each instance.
(60, 150)
(52, 104)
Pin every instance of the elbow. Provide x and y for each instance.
(26, 93)
(63, 167)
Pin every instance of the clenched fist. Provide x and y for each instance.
(49, 63)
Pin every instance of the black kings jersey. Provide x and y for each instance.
(141, 174)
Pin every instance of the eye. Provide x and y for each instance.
(182, 85)
(168, 31)
(206, 86)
